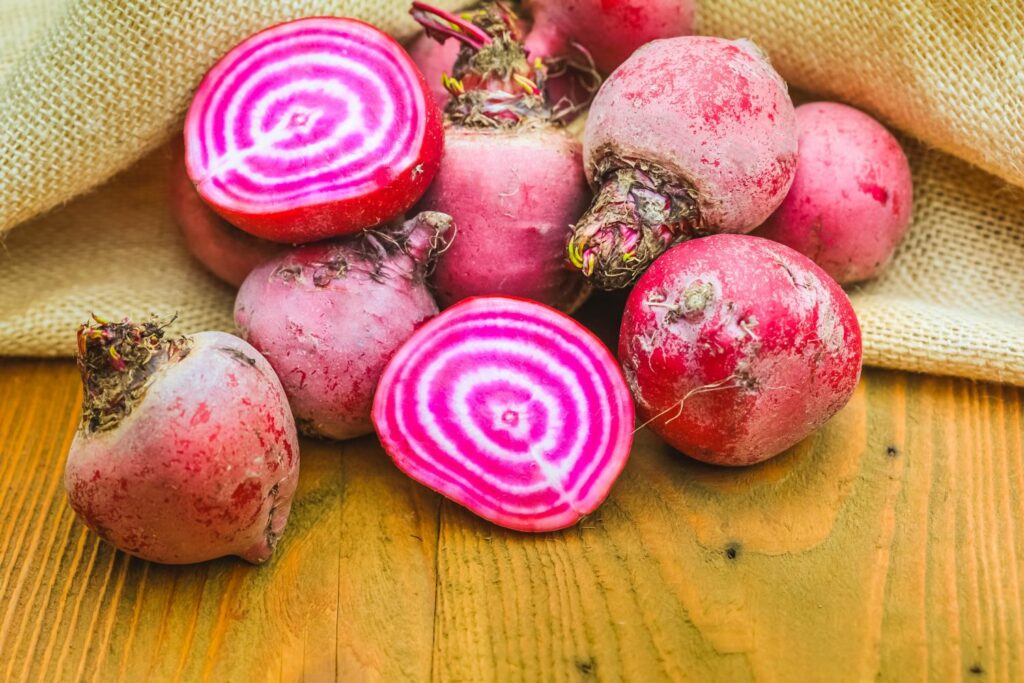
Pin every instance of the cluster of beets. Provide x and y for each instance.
(324, 132)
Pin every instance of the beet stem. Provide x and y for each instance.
(436, 21)
(634, 218)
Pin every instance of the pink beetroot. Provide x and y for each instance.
(690, 136)
(510, 409)
(514, 197)
(435, 60)
(328, 316)
(186, 450)
(511, 179)
(609, 30)
(850, 203)
(313, 128)
(226, 251)
(736, 348)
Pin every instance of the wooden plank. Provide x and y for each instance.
(890, 545)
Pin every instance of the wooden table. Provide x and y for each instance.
(889, 545)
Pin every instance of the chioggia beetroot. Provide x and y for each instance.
(328, 316)
(609, 31)
(851, 199)
(690, 136)
(512, 180)
(311, 129)
(736, 348)
(226, 251)
(186, 450)
(509, 408)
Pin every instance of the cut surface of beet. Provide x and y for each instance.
(509, 408)
(313, 128)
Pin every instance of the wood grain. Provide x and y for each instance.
(889, 546)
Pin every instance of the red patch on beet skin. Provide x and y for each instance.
(201, 415)
(245, 493)
(877, 192)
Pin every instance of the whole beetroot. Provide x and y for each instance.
(736, 348)
(511, 179)
(851, 200)
(186, 450)
(328, 316)
(227, 252)
(513, 198)
(609, 31)
(690, 136)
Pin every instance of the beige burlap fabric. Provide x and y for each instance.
(89, 87)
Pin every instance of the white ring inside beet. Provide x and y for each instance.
(509, 408)
(307, 113)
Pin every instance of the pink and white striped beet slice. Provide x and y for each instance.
(510, 408)
(323, 122)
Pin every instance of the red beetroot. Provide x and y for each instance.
(736, 348)
(226, 251)
(850, 203)
(328, 316)
(609, 30)
(186, 450)
(509, 408)
(512, 181)
(690, 136)
(311, 129)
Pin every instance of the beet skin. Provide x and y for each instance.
(850, 203)
(328, 316)
(736, 348)
(513, 197)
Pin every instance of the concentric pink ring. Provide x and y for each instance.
(304, 113)
(509, 408)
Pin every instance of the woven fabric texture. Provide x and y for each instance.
(90, 88)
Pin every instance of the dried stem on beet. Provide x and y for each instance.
(422, 238)
(116, 361)
(638, 213)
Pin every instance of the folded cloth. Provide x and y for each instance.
(90, 88)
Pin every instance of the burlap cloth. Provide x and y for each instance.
(91, 88)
